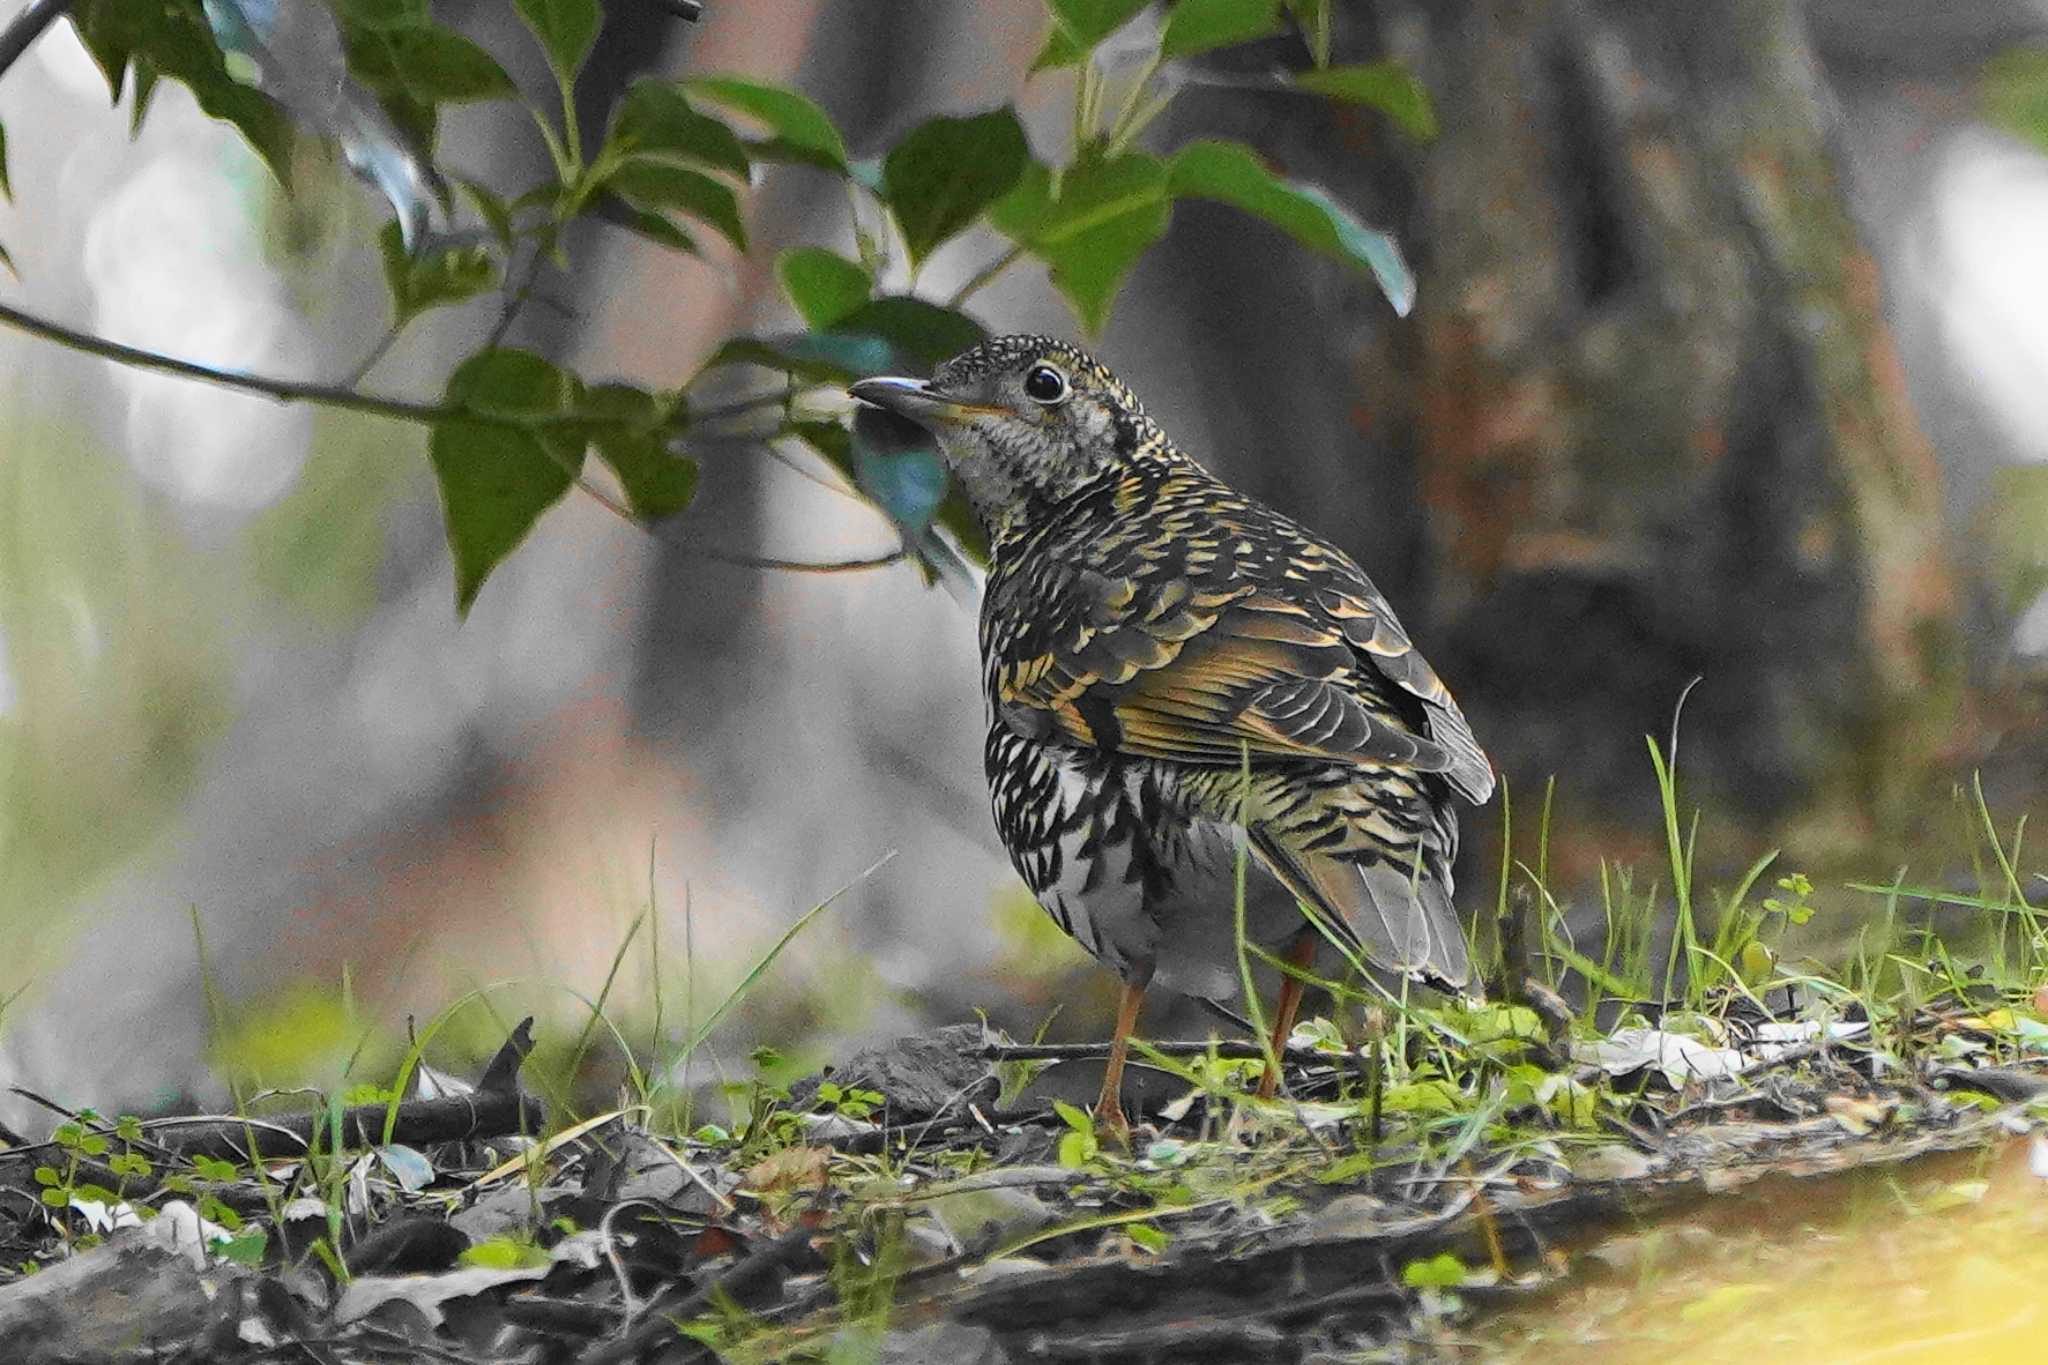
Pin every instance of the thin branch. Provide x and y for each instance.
(740, 406)
(298, 391)
(28, 26)
(516, 304)
(746, 561)
(782, 457)
(1231, 1050)
(985, 276)
(376, 353)
(282, 390)
(663, 533)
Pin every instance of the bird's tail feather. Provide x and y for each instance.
(1402, 919)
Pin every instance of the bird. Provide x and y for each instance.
(1180, 682)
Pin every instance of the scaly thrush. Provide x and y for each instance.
(1175, 671)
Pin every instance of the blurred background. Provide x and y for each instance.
(1729, 361)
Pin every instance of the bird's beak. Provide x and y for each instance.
(915, 399)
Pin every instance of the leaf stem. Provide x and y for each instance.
(1130, 104)
(1084, 102)
(985, 276)
(1142, 120)
(516, 300)
(572, 132)
(362, 368)
(565, 169)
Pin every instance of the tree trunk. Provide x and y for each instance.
(1651, 420)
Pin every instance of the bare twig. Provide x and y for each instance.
(362, 368)
(28, 26)
(352, 400)
(985, 276)
(1086, 1052)
(740, 1281)
(516, 304)
(281, 390)
(747, 561)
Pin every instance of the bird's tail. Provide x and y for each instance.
(1401, 918)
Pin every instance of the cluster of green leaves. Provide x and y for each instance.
(514, 430)
(61, 1188)
(769, 1118)
(87, 1139)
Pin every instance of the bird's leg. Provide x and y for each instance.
(1300, 954)
(1109, 1110)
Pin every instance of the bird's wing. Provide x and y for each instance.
(1166, 665)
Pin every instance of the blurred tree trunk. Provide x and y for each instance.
(1654, 420)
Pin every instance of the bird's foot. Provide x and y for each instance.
(1109, 1118)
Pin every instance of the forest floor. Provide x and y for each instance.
(933, 1201)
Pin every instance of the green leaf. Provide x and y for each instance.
(654, 228)
(438, 276)
(941, 176)
(497, 215)
(496, 480)
(1197, 26)
(1314, 18)
(381, 13)
(629, 429)
(656, 119)
(1104, 216)
(145, 89)
(1078, 26)
(1149, 1236)
(508, 382)
(892, 335)
(1387, 86)
(173, 38)
(6, 187)
(214, 1168)
(245, 1248)
(924, 335)
(813, 357)
(1444, 1271)
(426, 63)
(504, 1253)
(658, 186)
(802, 131)
(373, 63)
(823, 286)
(567, 30)
(2014, 93)
(1229, 172)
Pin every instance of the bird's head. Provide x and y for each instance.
(1022, 421)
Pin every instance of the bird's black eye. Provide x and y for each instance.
(1046, 385)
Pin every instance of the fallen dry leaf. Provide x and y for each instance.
(789, 1170)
